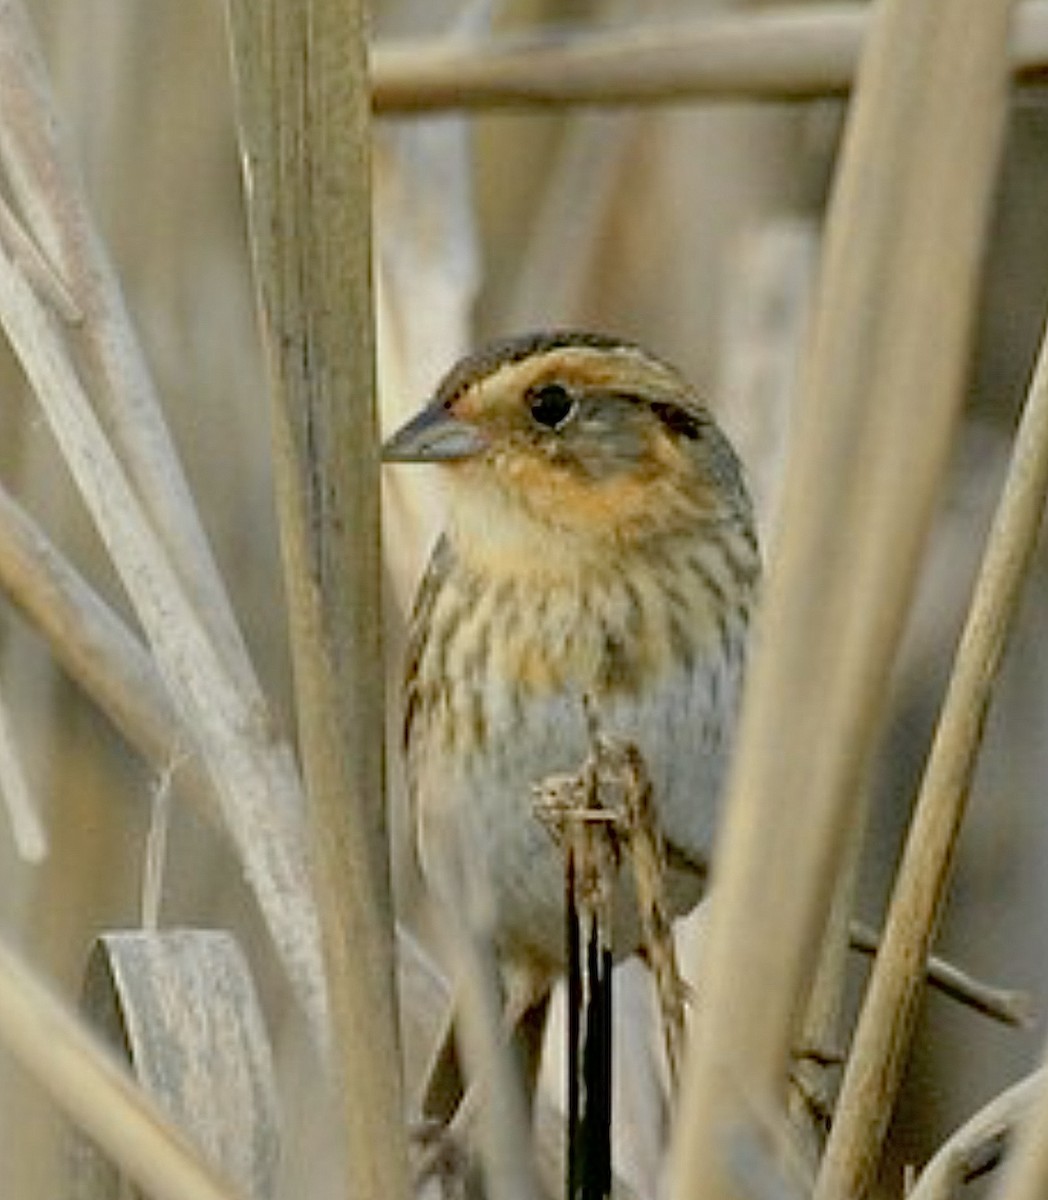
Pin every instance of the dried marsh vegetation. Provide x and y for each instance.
(192, 658)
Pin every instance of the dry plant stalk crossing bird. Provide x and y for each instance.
(600, 544)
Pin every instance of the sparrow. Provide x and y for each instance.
(599, 550)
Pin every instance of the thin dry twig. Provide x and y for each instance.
(1007, 1005)
(154, 866)
(575, 809)
(775, 55)
(874, 1068)
(645, 848)
(609, 801)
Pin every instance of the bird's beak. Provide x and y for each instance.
(434, 435)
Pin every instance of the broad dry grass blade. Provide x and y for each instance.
(979, 1143)
(53, 1045)
(1026, 1175)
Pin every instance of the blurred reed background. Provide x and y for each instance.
(691, 227)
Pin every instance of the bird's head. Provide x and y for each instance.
(573, 436)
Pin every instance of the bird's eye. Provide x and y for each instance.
(551, 404)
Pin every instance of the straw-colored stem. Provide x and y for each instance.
(253, 772)
(303, 119)
(132, 485)
(780, 54)
(97, 649)
(874, 1068)
(880, 396)
(53, 1045)
(50, 197)
(17, 796)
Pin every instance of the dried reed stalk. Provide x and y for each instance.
(71, 253)
(493, 1116)
(303, 123)
(254, 774)
(779, 54)
(890, 330)
(106, 658)
(98, 650)
(123, 463)
(889, 1012)
(16, 796)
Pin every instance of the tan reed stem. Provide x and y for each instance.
(97, 649)
(303, 122)
(890, 331)
(774, 55)
(889, 1011)
(124, 466)
(50, 196)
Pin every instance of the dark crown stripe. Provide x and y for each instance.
(490, 358)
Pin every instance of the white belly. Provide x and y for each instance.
(682, 730)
